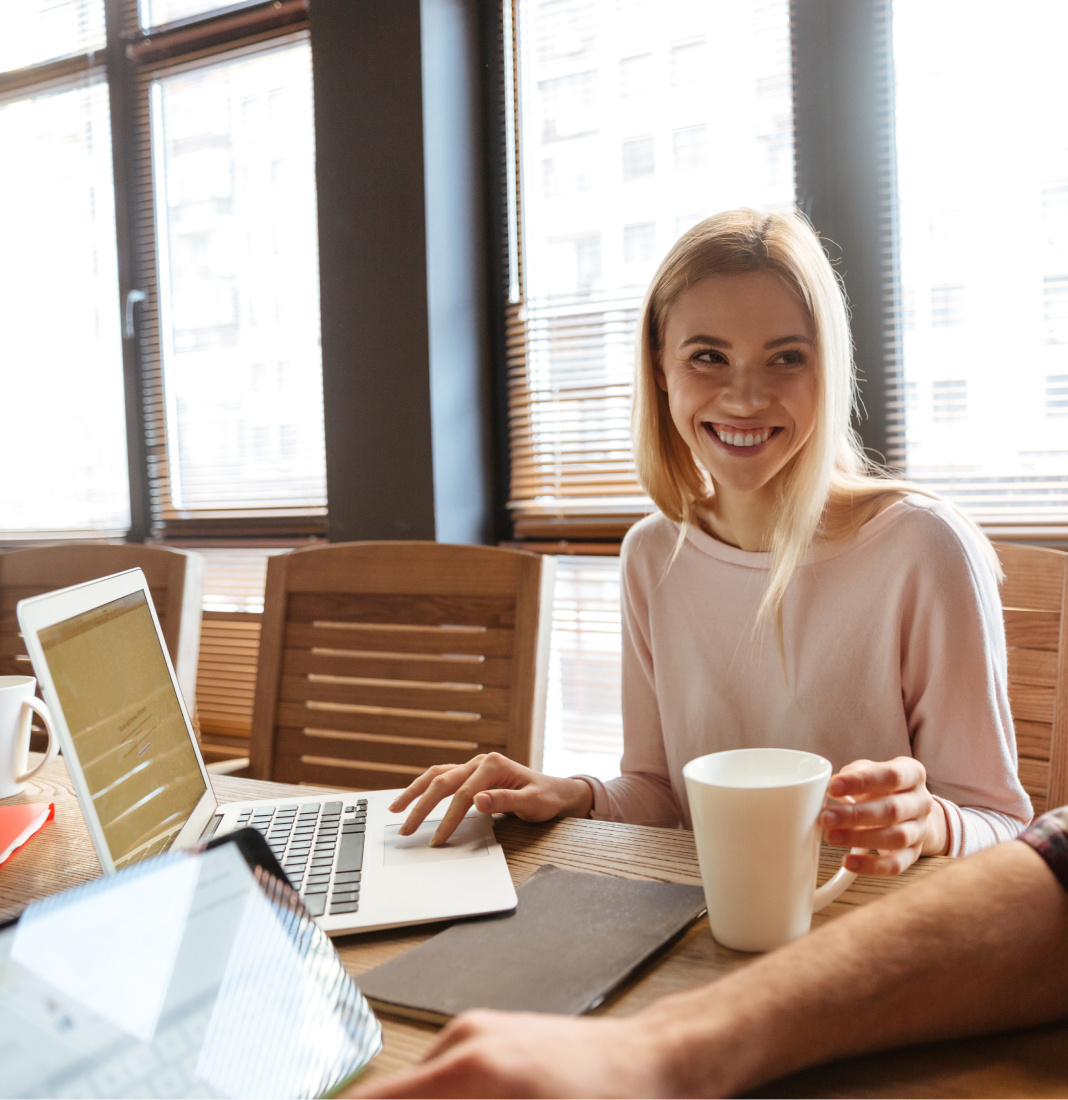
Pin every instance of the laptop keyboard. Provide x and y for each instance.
(320, 848)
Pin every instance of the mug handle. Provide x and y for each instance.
(837, 885)
(33, 703)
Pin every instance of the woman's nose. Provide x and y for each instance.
(746, 390)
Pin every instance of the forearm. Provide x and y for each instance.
(978, 947)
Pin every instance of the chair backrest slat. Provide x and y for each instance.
(378, 660)
(1035, 599)
(175, 579)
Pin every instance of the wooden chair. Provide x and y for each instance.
(1035, 599)
(175, 578)
(379, 659)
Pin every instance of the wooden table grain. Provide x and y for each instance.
(1033, 1062)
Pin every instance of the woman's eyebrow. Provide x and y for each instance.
(797, 339)
(715, 341)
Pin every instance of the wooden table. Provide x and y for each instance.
(1024, 1063)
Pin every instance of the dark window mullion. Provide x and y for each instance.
(846, 178)
(118, 15)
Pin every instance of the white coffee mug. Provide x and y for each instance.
(754, 819)
(17, 704)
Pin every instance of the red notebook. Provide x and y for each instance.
(19, 823)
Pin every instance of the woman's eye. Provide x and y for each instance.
(791, 358)
(709, 356)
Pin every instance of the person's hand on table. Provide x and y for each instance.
(886, 807)
(487, 1053)
(493, 784)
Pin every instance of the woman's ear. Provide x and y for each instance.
(658, 374)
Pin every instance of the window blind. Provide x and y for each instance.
(234, 584)
(616, 120)
(982, 202)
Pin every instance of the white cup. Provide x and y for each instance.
(17, 704)
(754, 819)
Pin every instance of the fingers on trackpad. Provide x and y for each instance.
(468, 840)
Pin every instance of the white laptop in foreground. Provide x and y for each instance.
(133, 757)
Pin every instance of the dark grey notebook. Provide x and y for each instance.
(572, 939)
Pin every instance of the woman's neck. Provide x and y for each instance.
(745, 520)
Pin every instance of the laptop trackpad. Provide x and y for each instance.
(468, 840)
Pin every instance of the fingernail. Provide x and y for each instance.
(852, 863)
(483, 802)
(830, 818)
(405, 829)
(393, 806)
(836, 836)
(838, 787)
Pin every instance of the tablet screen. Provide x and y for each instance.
(193, 974)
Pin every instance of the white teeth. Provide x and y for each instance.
(737, 439)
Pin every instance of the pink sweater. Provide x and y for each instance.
(895, 646)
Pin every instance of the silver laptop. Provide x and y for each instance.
(135, 764)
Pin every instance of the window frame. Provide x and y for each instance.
(148, 55)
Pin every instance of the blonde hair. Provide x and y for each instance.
(831, 487)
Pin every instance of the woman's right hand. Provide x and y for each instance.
(493, 784)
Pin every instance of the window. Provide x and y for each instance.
(639, 158)
(690, 148)
(950, 399)
(221, 319)
(689, 63)
(1057, 395)
(639, 244)
(567, 105)
(565, 175)
(574, 263)
(947, 306)
(996, 289)
(636, 74)
(234, 203)
(1055, 213)
(63, 446)
(1055, 308)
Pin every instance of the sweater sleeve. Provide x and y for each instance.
(642, 794)
(954, 677)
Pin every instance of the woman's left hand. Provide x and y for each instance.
(888, 808)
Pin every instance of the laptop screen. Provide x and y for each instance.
(128, 730)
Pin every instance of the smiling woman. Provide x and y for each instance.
(786, 594)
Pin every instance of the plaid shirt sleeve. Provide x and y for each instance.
(1048, 835)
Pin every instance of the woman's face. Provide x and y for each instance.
(740, 371)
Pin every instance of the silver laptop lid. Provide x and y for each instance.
(130, 749)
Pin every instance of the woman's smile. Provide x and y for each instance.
(741, 439)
